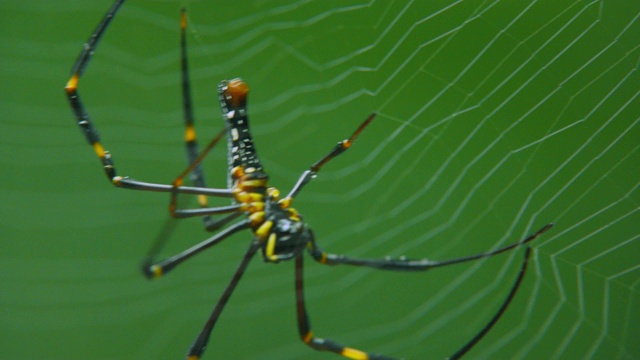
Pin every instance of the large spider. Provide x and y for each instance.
(277, 228)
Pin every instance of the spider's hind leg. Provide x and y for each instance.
(512, 293)
(403, 264)
(155, 269)
(200, 344)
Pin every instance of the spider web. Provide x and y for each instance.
(494, 118)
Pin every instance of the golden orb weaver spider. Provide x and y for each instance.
(278, 229)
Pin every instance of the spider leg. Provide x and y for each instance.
(304, 327)
(166, 232)
(341, 147)
(210, 224)
(185, 213)
(215, 224)
(177, 184)
(91, 134)
(191, 144)
(153, 269)
(190, 138)
(403, 264)
(163, 237)
(74, 99)
(501, 310)
(199, 345)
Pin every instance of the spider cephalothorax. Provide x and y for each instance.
(277, 226)
(288, 235)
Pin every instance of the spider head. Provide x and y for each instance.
(288, 235)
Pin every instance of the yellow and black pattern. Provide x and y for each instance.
(278, 230)
(190, 137)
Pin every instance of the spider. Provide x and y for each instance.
(278, 230)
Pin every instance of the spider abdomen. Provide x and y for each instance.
(241, 150)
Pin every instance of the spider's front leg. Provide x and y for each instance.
(71, 89)
(90, 132)
(341, 147)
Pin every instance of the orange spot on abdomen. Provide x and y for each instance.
(238, 91)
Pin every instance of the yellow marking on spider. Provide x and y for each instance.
(271, 247)
(355, 354)
(294, 215)
(116, 180)
(156, 271)
(252, 207)
(307, 337)
(256, 206)
(190, 133)
(253, 183)
(72, 84)
(237, 172)
(202, 200)
(246, 197)
(97, 147)
(285, 202)
(193, 357)
(237, 90)
(264, 229)
(256, 218)
(293, 212)
(183, 25)
(273, 193)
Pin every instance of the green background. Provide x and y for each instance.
(494, 119)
